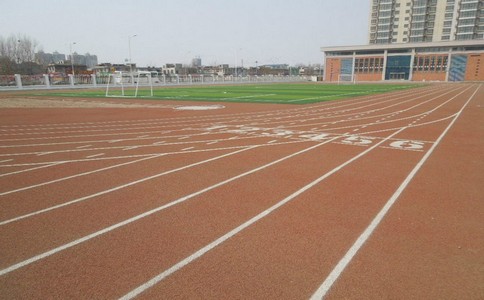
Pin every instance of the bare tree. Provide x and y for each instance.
(17, 54)
(18, 48)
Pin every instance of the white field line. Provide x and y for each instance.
(95, 155)
(348, 257)
(248, 97)
(106, 141)
(371, 111)
(425, 114)
(121, 147)
(35, 213)
(148, 213)
(325, 96)
(177, 120)
(405, 118)
(44, 165)
(143, 287)
(338, 115)
(263, 116)
(151, 154)
(79, 175)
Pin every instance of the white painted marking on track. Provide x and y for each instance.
(81, 174)
(143, 215)
(348, 257)
(189, 148)
(129, 148)
(140, 289)
(32, 169)
(95, 155)
(44, 153)
(6, 160)
(120, 187)
(82, 147)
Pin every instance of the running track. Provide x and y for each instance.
(367, 198)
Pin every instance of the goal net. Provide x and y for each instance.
(347, 79)
(133, 84)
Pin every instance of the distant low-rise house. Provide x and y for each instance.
(108, 68)
(66, 68)
(171, 69)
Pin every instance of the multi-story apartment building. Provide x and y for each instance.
(413, 21)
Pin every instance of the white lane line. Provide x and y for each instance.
(32, 169)
(189, 148)
(79, 175)
(82, 147)
(148, 213)
(339, 268)
(140, 289)
(150, 154)
(130, 148)
(95, 155)
(5, 160)
(39, 153)
(120, 187)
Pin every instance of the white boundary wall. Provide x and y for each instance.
(93, 81)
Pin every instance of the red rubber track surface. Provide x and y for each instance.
(376, 197)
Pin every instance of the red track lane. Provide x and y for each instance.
(268, 198)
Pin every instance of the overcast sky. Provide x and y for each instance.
(175, 31)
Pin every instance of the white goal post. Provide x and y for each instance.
(119, 79)
(346, 78)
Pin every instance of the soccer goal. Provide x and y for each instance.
(122, 84)
(346, 78)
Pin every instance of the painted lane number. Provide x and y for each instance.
(357, 140)
(407, 145)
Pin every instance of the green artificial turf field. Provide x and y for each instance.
(251, 93)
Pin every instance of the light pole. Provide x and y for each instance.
(72, 59)
(129, 48)
(236, 62)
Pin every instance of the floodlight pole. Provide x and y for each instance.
(72, 59)
(129, 48)
(236, 62)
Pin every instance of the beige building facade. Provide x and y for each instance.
(414, 21)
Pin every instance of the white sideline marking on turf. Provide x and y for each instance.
(120, 187)
(140, 289)
(79, 175)
(339, 268)
(148, 213)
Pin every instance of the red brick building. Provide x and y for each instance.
(438, 61)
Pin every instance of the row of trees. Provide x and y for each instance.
(17, 54)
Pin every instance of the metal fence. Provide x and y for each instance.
(53, 81)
